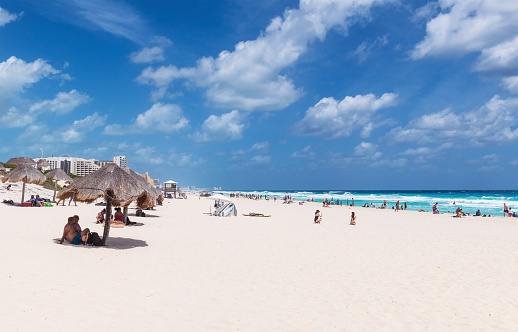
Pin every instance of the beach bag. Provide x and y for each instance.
(94, 239)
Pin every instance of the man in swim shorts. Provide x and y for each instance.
(72, 231)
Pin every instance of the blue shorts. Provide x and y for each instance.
(77, 239)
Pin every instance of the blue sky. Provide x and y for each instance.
(316, 94)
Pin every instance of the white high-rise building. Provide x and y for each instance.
(121, 161)
(77, 166)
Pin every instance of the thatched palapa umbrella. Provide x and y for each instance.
(42, 163)
(25, 173)
(57, 175)
(116, 186)
(153, 192)
(2, 168)
(21, 161)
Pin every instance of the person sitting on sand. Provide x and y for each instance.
(72, 231)
(32, 200)
(459, 212)
(39, 201)
(100, 216)
(318, 217)
(353, 219)
(118, 214)
(478, 214)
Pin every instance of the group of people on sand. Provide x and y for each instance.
(73, 233)
(36, 201)
(318, 218)
(117, 218)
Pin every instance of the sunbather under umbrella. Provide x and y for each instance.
(116, 186)
(25, 173)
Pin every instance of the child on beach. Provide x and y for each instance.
(353, 219)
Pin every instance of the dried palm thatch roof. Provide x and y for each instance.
(21, 161)
(43, 163)
(25, 173)
(2, 168)
(152, 190)
(58, 174)
(112, 183)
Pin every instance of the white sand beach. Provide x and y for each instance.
(180, 269)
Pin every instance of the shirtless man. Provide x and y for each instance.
(72, 231)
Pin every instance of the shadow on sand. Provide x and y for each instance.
(147, 216)
(119, 243)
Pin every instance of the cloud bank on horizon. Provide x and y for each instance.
(315, 87)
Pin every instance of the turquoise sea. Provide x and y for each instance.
(490, 202)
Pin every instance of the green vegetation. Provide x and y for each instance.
(48, 184)
(11, 166)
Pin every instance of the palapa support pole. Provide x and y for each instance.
(23, 190)
(107, 219)
(125, 216)
(55, 189)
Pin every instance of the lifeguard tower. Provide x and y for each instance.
(170, 188)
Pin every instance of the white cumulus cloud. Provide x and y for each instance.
(160, 118)
(148, 55)
(64, 102)
(465, 26)
(226, 127)
(510, 84)
(6, 17)
(332, 119)
(16, 74)
(494, 123)
(250, 77)
(77, 132)
(151, 54)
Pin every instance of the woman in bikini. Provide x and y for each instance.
(353, 219)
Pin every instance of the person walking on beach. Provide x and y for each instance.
(318, 217)
(353, 219)
(397, 206)
(506, 209)
(71, 199)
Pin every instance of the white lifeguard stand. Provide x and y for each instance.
(170, 188)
